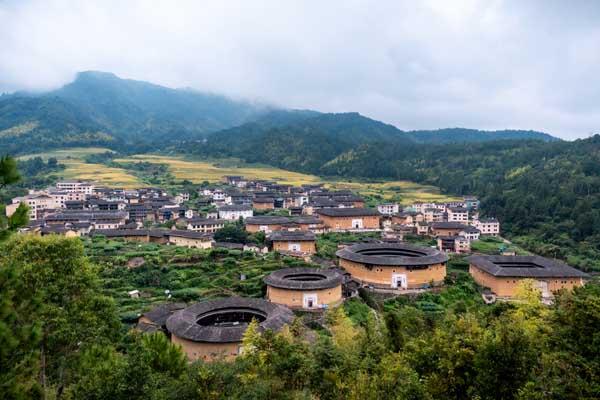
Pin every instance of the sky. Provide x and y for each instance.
(423, 64)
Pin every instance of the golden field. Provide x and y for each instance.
(198, 171)
(77, 168)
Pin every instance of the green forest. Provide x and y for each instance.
(63, 337)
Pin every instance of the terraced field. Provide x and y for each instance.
(198, 171)
(77, 168)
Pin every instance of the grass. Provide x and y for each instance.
(188, 274)
(491, 245)
(63, 154)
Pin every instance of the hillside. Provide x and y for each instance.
(99, 108)
(458, 135)
(303, 144)
(307, 141)
(136, 109)
(31, 123)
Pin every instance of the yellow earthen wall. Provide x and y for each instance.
(369, 222)
(382, 274)
(507, 286)
(295, 298)
(206, 351)
(305, 246)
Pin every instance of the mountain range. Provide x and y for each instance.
(99, 108)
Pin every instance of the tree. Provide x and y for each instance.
(9, 173)
(72, 314)
(234, 233)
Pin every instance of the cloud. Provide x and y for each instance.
(418, 65)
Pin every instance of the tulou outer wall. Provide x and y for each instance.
(507, 286)
(207, 351)
(381, 275)
(295, 298)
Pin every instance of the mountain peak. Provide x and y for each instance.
(83, 75)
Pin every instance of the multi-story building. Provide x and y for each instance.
(457, 214)
(235, 211)
(75, 187)
(388, 208)
(488, 226)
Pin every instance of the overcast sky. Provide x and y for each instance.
(415, 64)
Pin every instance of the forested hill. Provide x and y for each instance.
(457, 135)
(302, 144)
(100, 108)
(305, 140)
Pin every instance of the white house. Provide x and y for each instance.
(75, 187)
(488, 226)
(235, 211)
(388, 208)
(458, 214)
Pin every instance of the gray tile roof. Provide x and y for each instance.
(304, 278)
(184, 323)
(525, 267)
(348, 212)
(392, 254)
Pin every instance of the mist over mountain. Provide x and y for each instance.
(99, 108)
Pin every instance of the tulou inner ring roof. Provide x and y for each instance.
(304, 278)
(185, 323)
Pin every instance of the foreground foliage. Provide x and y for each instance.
(61, 338)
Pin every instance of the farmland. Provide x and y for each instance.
(77, 168)
(198, 171)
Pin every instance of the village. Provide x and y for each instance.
(289, 219)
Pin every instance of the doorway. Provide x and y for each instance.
(309, 301)
(399, 281)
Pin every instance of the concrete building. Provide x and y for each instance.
(206, 225)
(488, 226)
(458, 214)
(235, 211)
(388, 208)
(76, 187)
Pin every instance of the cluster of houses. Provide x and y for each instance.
(289, 215)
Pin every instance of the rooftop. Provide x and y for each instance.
(401, 254)
(348, 212)
(292, 235)
(525, 267)
(448, 225)
(225, 320)
(161, 313)
(304, 278)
